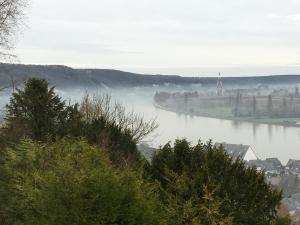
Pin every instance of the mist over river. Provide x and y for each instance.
(266, 140)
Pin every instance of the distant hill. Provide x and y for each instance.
(63, 76)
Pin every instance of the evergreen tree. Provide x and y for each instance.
(214, 185)
(39, 113)
(284, 107)
(238, 102)
(270, 105)
(185, 98)
(254, 106)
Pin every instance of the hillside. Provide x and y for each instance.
(63, 76)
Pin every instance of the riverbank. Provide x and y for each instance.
(225, 113)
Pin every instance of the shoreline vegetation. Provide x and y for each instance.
(192, 106)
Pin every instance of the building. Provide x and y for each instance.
(271, 166)
(293, 167)
(243, 152)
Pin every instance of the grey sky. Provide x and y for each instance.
(195, 37)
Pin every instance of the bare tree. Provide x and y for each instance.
(13, 85)
(101, 106)
(11, 16)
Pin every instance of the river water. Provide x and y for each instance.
(266, 140)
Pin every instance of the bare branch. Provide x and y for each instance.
(11, 17)
(101, 106)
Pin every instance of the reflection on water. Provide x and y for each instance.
(254, 128)
(266, 140)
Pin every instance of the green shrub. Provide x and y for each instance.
(70, 182)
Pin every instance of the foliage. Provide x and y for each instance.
(118, 143)
(221, 191)
(38, 113)
(70, 182)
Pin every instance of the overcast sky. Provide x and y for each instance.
(192, 37)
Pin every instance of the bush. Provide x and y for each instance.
(202, 185)
(70, 182)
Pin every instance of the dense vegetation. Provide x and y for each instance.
(205, 186)
(79, 164)
(70, 182)
(38, 113)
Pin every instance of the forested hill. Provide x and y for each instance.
(62, 76)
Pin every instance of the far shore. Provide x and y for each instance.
(290, 122)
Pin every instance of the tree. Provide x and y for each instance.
(101, 106)
(39, 113)
(70, 182)
(238, 102)
(110, 126)
(11, 15)
(254, 105)
(216, 186)
(270, 105)
(185, 98)
(285, 109)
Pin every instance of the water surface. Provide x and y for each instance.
(266, 140)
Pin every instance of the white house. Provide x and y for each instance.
(244, 152)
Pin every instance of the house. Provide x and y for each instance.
(259, 164)
(271, 166)
(290, 184)
(244, 152)
(293, 166)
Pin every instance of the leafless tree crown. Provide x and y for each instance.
(11, 15)
(102, 106)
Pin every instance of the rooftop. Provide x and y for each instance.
(235, 150)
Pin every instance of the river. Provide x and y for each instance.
(266, 140)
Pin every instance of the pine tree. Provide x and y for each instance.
(254, 106)
(203, 185)
(270, 105)
(38, 112)
(284, 107)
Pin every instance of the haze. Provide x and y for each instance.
(192, 37)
